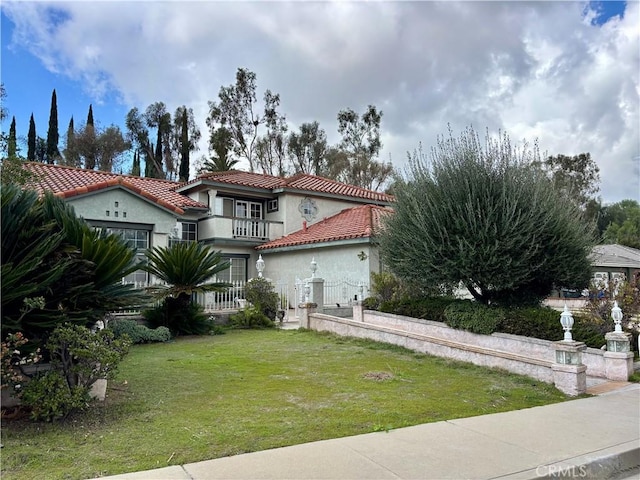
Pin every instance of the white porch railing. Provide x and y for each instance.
(225, 300)
(340, 292)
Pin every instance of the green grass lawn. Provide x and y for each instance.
(205, 397)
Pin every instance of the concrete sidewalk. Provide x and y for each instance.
(596, 437)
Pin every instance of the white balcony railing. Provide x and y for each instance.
(250, 228)
(242, 228)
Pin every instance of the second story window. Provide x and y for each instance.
(272, 205)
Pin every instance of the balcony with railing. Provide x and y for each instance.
(240, 228)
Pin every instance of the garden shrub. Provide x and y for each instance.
(139, 333)
(371, 303)
(536, 322)
(428, 308)
(16, 354)
(250, 317)
(260, 293)
(474, 317)
(50, 397)
(544, 323)
(386, 286)
(78, 358)
(179, 318)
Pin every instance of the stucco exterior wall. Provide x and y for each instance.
(292, 217)
(335, 263)
(130, 209)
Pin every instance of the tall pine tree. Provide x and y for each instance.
(53, 154)
(31, 140)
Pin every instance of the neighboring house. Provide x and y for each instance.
(611, 262)
(289, 220)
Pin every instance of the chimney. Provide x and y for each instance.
(304, 225)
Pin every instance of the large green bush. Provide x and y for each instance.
(480, 213)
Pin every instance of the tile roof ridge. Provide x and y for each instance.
(298, 175)
(100, 172)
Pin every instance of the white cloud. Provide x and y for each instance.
(536, 69)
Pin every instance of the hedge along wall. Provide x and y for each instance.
(523, 355)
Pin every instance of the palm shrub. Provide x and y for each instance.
(50, 254)
(185, 270)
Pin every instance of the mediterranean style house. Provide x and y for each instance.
(288, 221)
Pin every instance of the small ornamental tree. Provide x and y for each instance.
(481, 214)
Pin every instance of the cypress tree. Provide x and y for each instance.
(31, 140)
(90, 153)
(52, 134)
(184, 148)
(90, 116)
(12, 146)
(155, 171)
(71, 157)
(135, 169)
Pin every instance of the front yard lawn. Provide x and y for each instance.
(205, 397)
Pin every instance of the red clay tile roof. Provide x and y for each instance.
(68, 182)
(300, 181)
(245, 179)
(356, 222)
(313, 183)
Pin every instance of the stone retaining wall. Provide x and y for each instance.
(523, 355)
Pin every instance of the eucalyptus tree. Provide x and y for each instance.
(577, 176)
(237, 111)
(483, 215)
(361, 144)
(307, 149)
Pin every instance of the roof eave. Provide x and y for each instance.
(323, 244)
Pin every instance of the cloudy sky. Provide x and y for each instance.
(564, 73)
